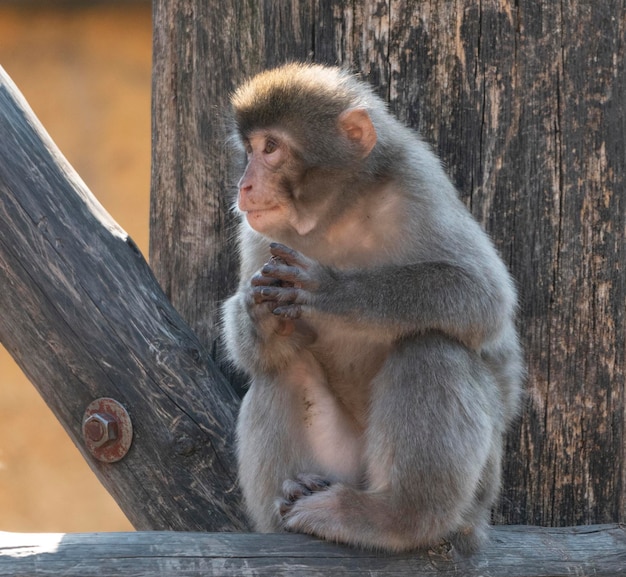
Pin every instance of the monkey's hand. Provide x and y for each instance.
(289, 281)
(279, 326)
(263, 310)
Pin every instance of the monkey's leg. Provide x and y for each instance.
(276, 438)
(265, 452)
(469, 538)
(431, 431)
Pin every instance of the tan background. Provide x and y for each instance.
(86, 73)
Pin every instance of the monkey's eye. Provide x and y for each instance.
(270, 146)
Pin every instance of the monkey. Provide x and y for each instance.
(374, 319)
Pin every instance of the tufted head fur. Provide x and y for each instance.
(304, 101)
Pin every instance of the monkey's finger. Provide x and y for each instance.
(289, 255)
(262, 280)
(290, 274)
(292, 312)
(276, 260)
(280, 294)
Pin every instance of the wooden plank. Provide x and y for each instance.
(82, 314)
(512, 552)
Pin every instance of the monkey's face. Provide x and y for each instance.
(267, 188)
(286, 188)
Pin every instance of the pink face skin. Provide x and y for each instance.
(269, 208)
(261, 195)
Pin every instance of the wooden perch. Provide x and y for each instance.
(83, 316)
(513, 552)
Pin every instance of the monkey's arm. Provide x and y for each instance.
(417, 297)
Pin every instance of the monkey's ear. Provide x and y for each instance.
(357, 125)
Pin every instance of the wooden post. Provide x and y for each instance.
(526, 104)
(202, 51)
(82, 314)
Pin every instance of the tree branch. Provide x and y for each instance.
(83, 316)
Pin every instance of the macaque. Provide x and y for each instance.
(374, 318)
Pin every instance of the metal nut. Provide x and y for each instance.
(107, 430)
(100, 429)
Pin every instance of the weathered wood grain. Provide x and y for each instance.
(202, 51)
(525, 102)
(512, 552)
(82, 314)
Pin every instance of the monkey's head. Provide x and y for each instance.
(305, 101)
(307, 133)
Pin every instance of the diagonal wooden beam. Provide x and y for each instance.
(83, 316)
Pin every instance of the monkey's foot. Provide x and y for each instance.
(312, 505)
(303, 485)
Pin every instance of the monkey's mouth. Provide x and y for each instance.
(255, 212)
(262, 218)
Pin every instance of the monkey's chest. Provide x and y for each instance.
(329, 431)
(331, 385)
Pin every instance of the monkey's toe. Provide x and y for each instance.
(302, 486)
(313, 482)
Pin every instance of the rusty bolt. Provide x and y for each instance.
(100, 429)
(107, 430)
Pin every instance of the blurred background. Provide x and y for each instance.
(84, 67)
